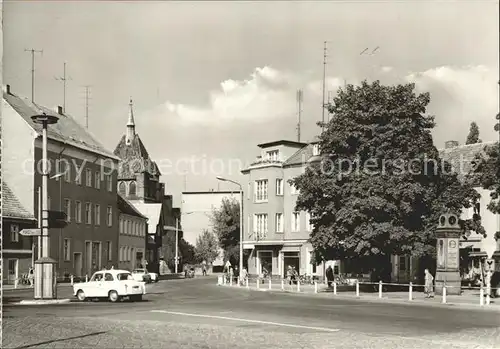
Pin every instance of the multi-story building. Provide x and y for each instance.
(196, 212)
(82, 183)
(139, 183)
(17, 249)
(275, 233)
(133, 231)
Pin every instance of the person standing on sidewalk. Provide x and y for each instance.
(429, 284)
(31, 276)
(329, 276)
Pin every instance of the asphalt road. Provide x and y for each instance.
(195, 313)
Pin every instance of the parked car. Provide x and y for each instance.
(142, 275)
(112, 284)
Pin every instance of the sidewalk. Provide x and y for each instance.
(469, 299)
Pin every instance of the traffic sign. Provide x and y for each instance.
(31, 232)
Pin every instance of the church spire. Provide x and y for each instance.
(130, 124)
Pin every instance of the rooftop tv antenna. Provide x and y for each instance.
(299, 112)
(33, 51)
(64, 79)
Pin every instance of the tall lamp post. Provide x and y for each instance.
(241, 216)
(44, 266)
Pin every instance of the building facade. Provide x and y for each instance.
(17, 250)
(82, 183)
(196, 212)
(276, 235)
(132, 239)
(139, 183)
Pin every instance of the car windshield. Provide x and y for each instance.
(139, 271)
(124, 276)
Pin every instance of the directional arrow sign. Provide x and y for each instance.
(30, 232)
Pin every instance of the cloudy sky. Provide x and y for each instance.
(212, 80)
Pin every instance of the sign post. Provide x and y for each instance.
(448, 268)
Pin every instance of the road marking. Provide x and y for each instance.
(324, 329)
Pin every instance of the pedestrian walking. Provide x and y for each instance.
(329, 276)
(204, 268)
(31, 276)
(289, 275)
(429, 284)
(244, 276)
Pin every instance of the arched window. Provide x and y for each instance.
(132, 189)
(122, 188)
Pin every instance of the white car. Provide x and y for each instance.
(144, 275)
(113, 284)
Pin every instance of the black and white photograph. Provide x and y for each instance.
(250, 174)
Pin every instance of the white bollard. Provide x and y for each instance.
(335, 288)
(410, 292)
(72, 280)
(444, 295)
(282, 284)
(315, 287)
(16, 283)
(481, 296)
(488, 299)
(270, 285)
(86, 278)
(239, 282)
(380, 289)
(248, 285)
(258, 283)
(357, 288)
(230, 281)
(298, 285)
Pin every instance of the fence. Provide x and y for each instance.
(381, 290)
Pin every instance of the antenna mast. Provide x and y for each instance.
(33, 51)
(64, 79)
(87, 98)
(324, 83)
(299, 112)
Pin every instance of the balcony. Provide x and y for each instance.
(266, 161)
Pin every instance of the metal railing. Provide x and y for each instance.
(382, 289)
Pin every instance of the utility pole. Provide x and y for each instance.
(299, 112)
(64, 79)
(324, 86)
(87, 98)
(33, 51)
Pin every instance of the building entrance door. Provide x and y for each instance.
(77, 263)
(13, 265)
(291, 259)
(265, 259)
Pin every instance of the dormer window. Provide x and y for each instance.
(273, 155)
(316, 150)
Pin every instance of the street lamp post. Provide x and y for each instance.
(44, 266)
(241, 216)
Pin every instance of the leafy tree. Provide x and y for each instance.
(187, 252)
(207, 248)
(473, 136)
(487, 173)
(380, 185)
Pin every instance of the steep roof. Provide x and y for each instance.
(132, 154)
(126, 207)
(281, 142)
(301, 156)
(11, 206)
(67, 130)
(461, 157)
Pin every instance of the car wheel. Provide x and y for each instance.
(81, 296)
(113, 296)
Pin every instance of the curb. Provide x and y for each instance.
(43, 302)
(458, 306)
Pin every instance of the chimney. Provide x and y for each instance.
(8, 89)
(451, 144)
(60, 110)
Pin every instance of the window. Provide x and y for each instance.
(97, 180)
(109, 183)
(132, 189)
(120, 228)
(88, 213)
(109, 216)
(309, 226)
(109, 250)
(108, 277)
(67, 171)
(67, 208)
(120, 257)
(293, 190)
(97, 214)
(316, 150)
(279, 222)
(273, 155)
(402, 263)
(14, 233)
(78, 211)
(296, 221)
(78, 174)
(67, 250)
(59, 169)
(279, 186)
(88, 177)
(261, 190)
(260, 221)
(122, 188)
(313, 263)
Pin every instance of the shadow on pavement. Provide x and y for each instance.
(60, 340)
